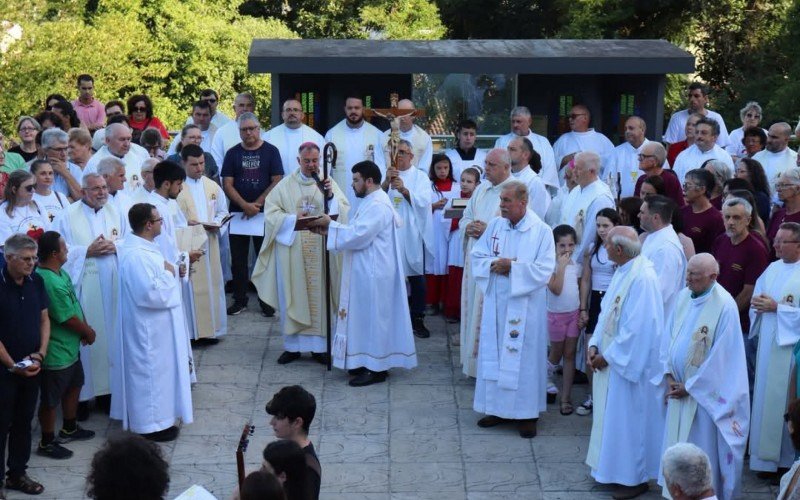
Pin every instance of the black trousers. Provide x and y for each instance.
(18, 396)
(240, 251)
(417, 288)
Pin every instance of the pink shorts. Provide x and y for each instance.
(563, 325)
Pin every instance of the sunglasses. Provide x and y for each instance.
(210, 100)
(141, 109)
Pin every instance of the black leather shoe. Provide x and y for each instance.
(527, 428)
(320, 357)
(368, 377)
(287, 357)
(419, 328)
(356, 371)
(628, 492)
(168, 434)
(490, 421)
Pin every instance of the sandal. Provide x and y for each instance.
(25, 484)
(567, 408)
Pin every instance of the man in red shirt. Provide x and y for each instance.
(651, 162)
(701, 221)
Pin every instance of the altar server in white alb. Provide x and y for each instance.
(373, 327)
(153, 359)
(521, 121)
(91, 227)
(289, 272)
(775, 320)
(409, 191)
(421, 143)
(356, 140)
(483, 206)
(582, 138)
(465, 154)
(627, 426)
(289, 135)
(708, 399)
(203, 204)
(512, 264)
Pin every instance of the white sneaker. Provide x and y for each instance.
(585, 408)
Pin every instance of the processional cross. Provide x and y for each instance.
(393, 114)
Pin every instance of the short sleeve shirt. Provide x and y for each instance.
(252, 170)
(703, 227)
(21, 309)
(64, 347)
(672, 187)
(740, 265)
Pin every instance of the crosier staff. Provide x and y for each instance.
(328, 159)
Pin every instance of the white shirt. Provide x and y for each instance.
(676, 130)
(288, 142)
(541, 145)
(577, 142)
(692, 158)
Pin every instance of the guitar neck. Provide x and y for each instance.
(247, 431)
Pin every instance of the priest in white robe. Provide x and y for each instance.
(777, 158)
(113, 171)
(228, 136)
(581, 138)
(512, 264)
(142, 194)
(421, 143)
(465, 154)
(118, 144)
(521, 127)
(775, 321)
(627, 425)
(409, 190)
(203, 204)
(624, 167)
(580, 207)
(524, 164)
(482, 207)
(153, 360)
(704, 148)
(356, 140)
(373, 327)
(289, 135)
(289, 271)
(663, 248)
(91, 227)
(708, 397)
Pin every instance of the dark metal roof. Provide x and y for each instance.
(606, 57)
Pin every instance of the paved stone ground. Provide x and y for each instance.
(411, 438)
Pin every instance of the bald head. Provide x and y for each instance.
(704, 262)
(407, 121)
(778, 137)
(635, 128)
(701, 272)
(118, 139)
(622, 244)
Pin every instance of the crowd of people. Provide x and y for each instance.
(665, 274)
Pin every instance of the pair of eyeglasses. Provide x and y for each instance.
(28, 129)
(689, 186)
(140, 109)
(157, 220)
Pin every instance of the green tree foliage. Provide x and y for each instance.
(168, 50)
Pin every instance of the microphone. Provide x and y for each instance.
(321, 186)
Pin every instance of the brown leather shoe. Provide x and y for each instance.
(628, 492)
(490, 421)
(527, 428)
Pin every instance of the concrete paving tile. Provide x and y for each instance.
(483, 495)
(215, 421)
(423, 374)
(496, 447)
(565, 476)
(752, 484)
(213, 395)
(219, 479)
(372, 418)
(429, 395)
(354, 478)
(361, 496)
(552, 423)
(465, 396)
(411, 419)
(227, 374)
(245, 359)
(351, 448)
(516, 478)
(431, 494)
(426, 477)
(59, 482)
(214, 449)
(560, 448)
(440, 447)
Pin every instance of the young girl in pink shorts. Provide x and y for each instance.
(563, 304)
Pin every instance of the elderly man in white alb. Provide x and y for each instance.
(625, 160)
(118, 143)
(521, 127)
(524, 164)
(775, 320)
(512, 263)
(625, 444)
(706, 132)
(421, 143)
(113, 171)
(707, 394)
(356, 140)
(777, 158)
(227, 136)
(581, 138)
(483, 206)
(582, 204)
(663, 247)
(465, 154)
(687, 473)
(697, 97)
(289, 135)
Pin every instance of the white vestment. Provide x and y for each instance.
(153, 358)
(665, 251)
(775, 164)
(95, 280)
(512, 376)
(122, 201)
(226, 137)
(460, 165)
(692, 157)
(778, 332)
(553, 216)
(133, 166)
(702, 348)
(354, 145)
(441, 231)
(628, 419)
(676, 130)
(421, 146)
(577, 142)
(484, 205)
(625, 162)
(538, 197)
(289, 271)
(550, 171)
(141, 195)
(203, 200)
(580, 211)
(288, 142)
(416, 232)
(373, 326)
